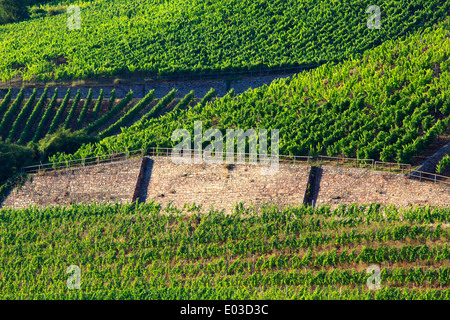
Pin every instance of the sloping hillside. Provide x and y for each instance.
(389, 105)
(155, 36)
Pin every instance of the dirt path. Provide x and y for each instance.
(200, 87)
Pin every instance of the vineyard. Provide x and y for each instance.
(370, 99)
(180, 36)
(30, 120)
(149, 252)
(390, 105)
(36, 128)
(25, 121)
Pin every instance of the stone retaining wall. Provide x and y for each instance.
(341, 185)
(221, 187)
(110, 182)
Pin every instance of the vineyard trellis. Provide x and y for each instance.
(350, 110)
(306, 33)
(150, 251)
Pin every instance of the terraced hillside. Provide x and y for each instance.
(24, 120)
(126, 37)
(35, 128)
(146, 252)
(380, 94)
(391, 104)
